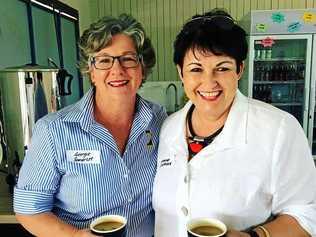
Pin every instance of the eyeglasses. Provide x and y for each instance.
(106, 62)
(221, 21)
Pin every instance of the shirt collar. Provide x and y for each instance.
(82, 112)
(143, 117)
(234, 132)
(235, 129)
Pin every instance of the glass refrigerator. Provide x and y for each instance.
(279, 68)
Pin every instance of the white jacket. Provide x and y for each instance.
(259, 165)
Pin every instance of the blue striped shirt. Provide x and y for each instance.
(54, 178)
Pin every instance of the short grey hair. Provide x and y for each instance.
(100, 33)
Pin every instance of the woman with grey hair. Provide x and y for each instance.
(98, 156)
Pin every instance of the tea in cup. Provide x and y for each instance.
(206, 227)
(109, 226)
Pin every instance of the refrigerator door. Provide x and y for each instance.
(312, 115)
(279, 72)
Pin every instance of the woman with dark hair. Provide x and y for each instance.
(227, 156)
(98, 156)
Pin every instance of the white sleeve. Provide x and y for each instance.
(294, 176)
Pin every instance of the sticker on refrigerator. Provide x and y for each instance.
(261, 27)
(278, 17)
(309, 17)
(294, 27)
(267, 42)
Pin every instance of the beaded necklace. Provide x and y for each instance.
(197, 143)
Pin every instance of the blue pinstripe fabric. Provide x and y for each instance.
(80, 192)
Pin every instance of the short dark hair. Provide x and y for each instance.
(215, 31)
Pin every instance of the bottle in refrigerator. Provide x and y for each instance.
(269, 53)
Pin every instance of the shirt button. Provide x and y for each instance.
(186, 179)
(130, 199)
(125, 176)
(185, 210)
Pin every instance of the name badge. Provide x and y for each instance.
(83, 156)
(166, 162)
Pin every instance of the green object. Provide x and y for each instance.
(261, 27)
(278, 17)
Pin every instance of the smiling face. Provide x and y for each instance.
(210, 82)
(118, 83)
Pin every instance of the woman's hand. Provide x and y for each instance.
(83, 233)
(235, 233)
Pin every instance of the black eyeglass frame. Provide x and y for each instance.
(137, 56)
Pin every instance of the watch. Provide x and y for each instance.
(252, 233)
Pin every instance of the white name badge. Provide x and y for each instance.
(167, 162)
(83, 156)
